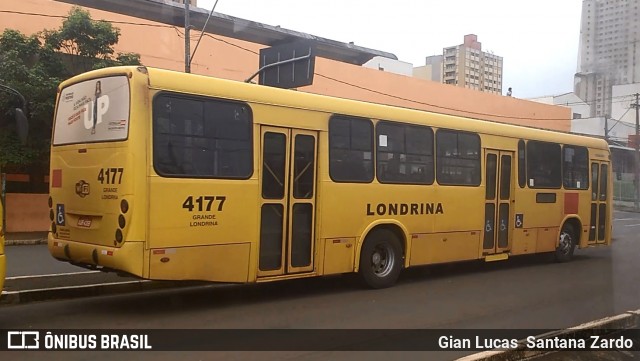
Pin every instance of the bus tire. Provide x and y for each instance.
(380, 259)
(566, 244)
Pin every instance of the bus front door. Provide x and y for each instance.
(498, 198)
(288, 193)
(599, 193)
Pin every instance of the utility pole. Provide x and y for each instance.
(187, 38)
(606, 128)
(636, 178)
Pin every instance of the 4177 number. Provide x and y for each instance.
(203, 203)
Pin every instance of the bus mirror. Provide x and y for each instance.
(22, 125)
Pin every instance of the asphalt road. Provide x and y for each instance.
(526, 293)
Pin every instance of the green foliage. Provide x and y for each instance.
(35, 71)
(35, 65)
(89, 42)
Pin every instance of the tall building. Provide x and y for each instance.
(432, 70)
(467, 66)
(609, 51)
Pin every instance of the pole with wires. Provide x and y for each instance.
(202, 32)
(636, 178)
(187, 36)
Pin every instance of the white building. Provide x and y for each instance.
(390, 65)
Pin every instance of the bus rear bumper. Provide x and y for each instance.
(129, 258)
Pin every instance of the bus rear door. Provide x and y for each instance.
(288, 197)
(599, 183)
(498, 198)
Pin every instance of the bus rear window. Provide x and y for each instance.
(95, 110)
(201, 137)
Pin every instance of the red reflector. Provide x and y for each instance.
(83, 150)
(56, 178)
(109, 253)
(158, 251)
(336, 241)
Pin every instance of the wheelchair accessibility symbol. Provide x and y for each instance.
(488, 228)
(519, 220)
(503, 226)
(60, 221)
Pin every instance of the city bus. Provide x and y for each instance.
(171, 176)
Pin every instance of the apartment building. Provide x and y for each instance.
(467, 66)
(609, 51)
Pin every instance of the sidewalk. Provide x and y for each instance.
(624, 206)
(25, 238)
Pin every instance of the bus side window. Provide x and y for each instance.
(350, 149)
(575, 167)
(543, 164)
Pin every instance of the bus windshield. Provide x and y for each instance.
(92, 111)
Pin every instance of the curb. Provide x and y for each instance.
(601, 327)
(103, 289)
(25, 242)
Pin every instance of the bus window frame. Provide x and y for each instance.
(529, 173)
(479, 168)
(55, 114)
(405, 127)
(251, 140)
(350, 118)
(587, 169)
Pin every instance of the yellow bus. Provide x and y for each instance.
(172, 176)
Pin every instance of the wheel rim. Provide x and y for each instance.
(382, 260)
(565, 243)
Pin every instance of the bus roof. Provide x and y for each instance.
(253, 93)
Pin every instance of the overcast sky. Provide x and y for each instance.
(538, 39)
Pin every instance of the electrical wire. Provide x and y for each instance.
(181, 35)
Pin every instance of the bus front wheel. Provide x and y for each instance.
(381, 259)
(566, 244)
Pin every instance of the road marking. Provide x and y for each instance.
(632, 225)
(75, 287)
(625, 219)
(50, 275)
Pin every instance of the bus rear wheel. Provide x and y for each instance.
(566, 244)
(381, 259)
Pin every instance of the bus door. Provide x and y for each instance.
(599, 193)
(288, 194)
(498, 199)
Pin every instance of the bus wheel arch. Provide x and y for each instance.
(568, 239)
(381, 256)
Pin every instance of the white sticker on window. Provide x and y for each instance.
(578, 184)
(382, 140)
(531, 182)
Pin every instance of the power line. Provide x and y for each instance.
(318, 74)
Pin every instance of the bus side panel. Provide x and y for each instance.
(222, 263)
(445, 247)
(186, 215)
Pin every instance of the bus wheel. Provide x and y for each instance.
(381, 259)
(566, 244)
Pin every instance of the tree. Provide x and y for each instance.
(35, 65)
(89, 42)
(35, 71)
